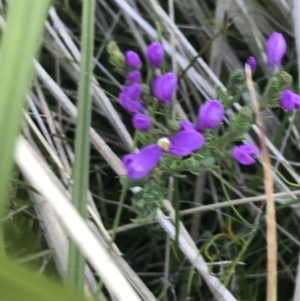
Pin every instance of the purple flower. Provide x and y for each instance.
(140, 164)
(210, 114)
(245, 154)
(133, 91)
(132, 106)
(276, 48)
(290, 100)
(155, 54)
(185, 142)
(134, 76)
(141, 122)
(181, 144)
(186, 125)
(132, 59)
(251, 62)
(164, 86)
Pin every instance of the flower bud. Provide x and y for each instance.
(132, 106)
(133, 91)
(141, 122)
(132, 59)
(155, 54)
(251, 62)
(276, 48)
(116, 57)
(134, 76)
(245, 154)
(210, 114)
(290, 100)
(164, 86)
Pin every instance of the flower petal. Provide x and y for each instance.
(133, 91)
(211, 114)
(251, 61)
(245, 154)
(287, 100)
(141, 122)
(164, 86)
(132, 106)
(140, 164)
(276, 49)
(157, 87)
(169, 86)
(186, 125)
(186, 142)
(132, 59)
(155, 54)
(134, 76)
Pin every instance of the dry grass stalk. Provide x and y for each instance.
(268, 181)
(39, 175)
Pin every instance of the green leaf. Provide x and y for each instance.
(20, 44)
(129, 183)
(19, 283)
(146, 202)
(208, 162)
(24, 185)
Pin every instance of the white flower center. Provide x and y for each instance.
(164, 143)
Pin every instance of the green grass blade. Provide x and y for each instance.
(18, 283)
(20, 44)
(82, 142)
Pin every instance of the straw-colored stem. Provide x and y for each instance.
(268, 181)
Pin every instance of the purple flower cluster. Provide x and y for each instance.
(190, 137)
(163, 85)
(182, 144)
(276, 48)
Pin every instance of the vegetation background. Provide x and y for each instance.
(54, 162)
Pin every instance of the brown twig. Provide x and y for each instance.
(268, 180)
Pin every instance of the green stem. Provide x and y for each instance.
(117, 217)
(177, 212)
(76, 271)
(135, 140)
(114, 230)
(163, 292)
(239, 257)
(228, 199)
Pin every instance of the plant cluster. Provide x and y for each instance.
(174, 147)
